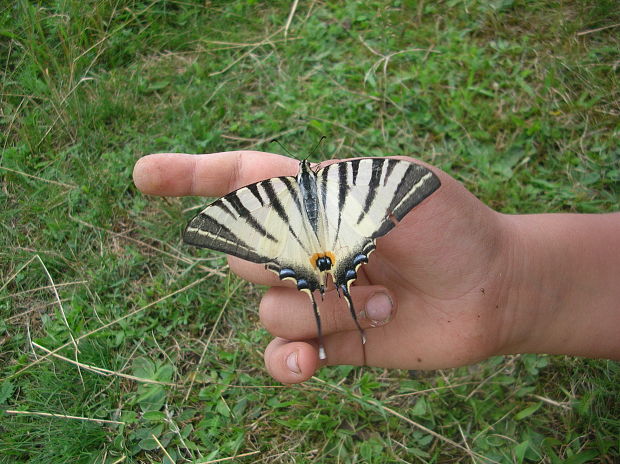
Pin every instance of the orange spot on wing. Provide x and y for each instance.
(316, 256)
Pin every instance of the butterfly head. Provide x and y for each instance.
(306, 173)
(304, 166)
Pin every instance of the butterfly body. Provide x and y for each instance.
(318, 224)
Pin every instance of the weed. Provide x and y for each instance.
(516, 99)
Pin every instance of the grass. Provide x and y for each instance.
(156, 349)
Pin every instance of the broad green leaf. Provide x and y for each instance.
(528, 411)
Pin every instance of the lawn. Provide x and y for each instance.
(120, 344)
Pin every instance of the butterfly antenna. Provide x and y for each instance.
(315, 147)
(283, 147)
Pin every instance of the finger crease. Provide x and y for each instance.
(235, 174)
(192, 187)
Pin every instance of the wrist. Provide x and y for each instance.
(562, 289)
(533, 286)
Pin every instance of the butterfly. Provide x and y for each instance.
(323, 222)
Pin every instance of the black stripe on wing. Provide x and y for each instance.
(355, 165)
(343, 190)
(206, 232)
(415, 185)
(246, 214)
(375, 176)
(253, 188)
(391, 164)
(221, 205)
(274, 201)
(324, 176)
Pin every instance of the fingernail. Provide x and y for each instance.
(379, 308)
(291, 363)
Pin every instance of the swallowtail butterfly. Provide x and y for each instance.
(323, 221)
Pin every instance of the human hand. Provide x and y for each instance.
(432, 291)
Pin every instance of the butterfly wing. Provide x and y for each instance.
(363, 200)
(267, 222)
(262, 223)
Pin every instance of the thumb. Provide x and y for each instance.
(287, 313)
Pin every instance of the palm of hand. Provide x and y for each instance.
(441, 267)
(443, 263)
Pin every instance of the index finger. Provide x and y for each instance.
(215, 174)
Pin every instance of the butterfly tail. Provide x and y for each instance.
(347, 296)
(317, 317)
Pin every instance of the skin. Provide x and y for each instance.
(454, 283)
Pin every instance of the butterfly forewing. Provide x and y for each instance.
(365, 196)
(262, 223)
